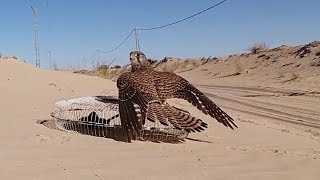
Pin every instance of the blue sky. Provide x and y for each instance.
(74, 29)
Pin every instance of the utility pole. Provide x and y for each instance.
(137, 39)
(50, 60)
(36, 35)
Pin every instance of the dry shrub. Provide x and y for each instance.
(190, 65)
(258, 47)
(116, 67)
(115, 73)
(178, 65)
(102, 70)
(110, 73)
(152, 61)
(239, 66)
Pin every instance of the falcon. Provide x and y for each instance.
(149, 89)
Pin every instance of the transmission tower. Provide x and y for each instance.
(36, 34)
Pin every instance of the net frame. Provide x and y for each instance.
(99, 116)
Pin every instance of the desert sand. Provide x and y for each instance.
(275, 104)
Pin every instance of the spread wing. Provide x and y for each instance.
(182, 119)
(129, 116)
(174, 86)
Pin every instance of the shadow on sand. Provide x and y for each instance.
(116, 132)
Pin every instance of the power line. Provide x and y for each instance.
(118, 45)
(158, 27)
(184, 19)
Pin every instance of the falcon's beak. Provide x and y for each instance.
(132, 57)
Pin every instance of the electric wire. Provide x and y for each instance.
(181, 20)
(159, 27)
(118, 45)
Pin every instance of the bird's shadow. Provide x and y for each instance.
(115, 132)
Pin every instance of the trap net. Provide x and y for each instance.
(99, 116)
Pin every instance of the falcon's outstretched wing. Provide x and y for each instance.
(174, 86)
(182, 119)
(130, 120)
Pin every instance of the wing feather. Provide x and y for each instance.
(183, 120)
(209, 107)
(174, 86)
(128, 115)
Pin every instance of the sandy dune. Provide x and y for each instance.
(277, 138)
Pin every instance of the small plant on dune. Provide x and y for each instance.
(239, 66)
(55, 67)
(258, 47)
(103, 70)
(113, 74)
(189, 65)
(95, 64)
(116, 67)
(152, 61)
(239, 69)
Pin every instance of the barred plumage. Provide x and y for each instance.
(150, 89)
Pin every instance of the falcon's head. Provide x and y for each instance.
(138, 60)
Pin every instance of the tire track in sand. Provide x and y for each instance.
(233, 98)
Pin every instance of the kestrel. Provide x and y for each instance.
(149, 89)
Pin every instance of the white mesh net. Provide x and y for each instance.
(99, 116)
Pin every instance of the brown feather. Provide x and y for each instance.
(174, 86)
(149, 89)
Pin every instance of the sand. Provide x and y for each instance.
(277, 138)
